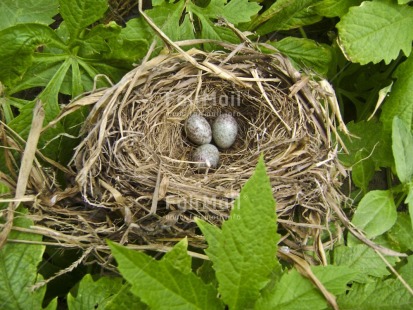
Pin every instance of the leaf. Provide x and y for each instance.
(93, 294)
(306, 53)
(362, 170)
(407, 271)
(160, 284)
(376, 31)
(370, 139)
(335, 278)
(80, 14)
(292, 292)
(285, 15)
(13, 12)
(363, 260)
(333, 8)
(376, 213)
(379, 295)
(18, 269)
(17, 46)
(178, 257)
(125, 300)
(400, 101)
(240, 11)
(402, 146)
(243, 251)
(403, 1)
(400, 236)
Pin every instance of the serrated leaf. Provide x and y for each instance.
(13, 12)
(125, 300)
(333, 8)
(363, 170)
(80, 14)
(362, 259)
(18, 268)
(379, 295)
(292, 292)
(243, 251)
(178, 257)
(162, 286)
(402, 146)
(400, 101)
(96, 40)
(306, 53)
(376, 213)
(17, 46)
(376, 31)
(285, 15)
(93, 294)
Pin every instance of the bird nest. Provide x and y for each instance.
(133, 179)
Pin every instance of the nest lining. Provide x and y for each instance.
(135, 159)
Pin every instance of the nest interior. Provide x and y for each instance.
(133, 165)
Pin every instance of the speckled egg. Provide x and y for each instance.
(224, 131)
(206, 156)
(197, 129)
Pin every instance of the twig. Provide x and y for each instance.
(25, 168)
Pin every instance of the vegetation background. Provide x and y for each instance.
(53, 50)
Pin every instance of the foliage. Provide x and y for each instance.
(55, 50)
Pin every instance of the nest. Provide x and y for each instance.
(133, 179)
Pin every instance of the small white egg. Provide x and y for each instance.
(224, 130)
(197, 129)
(206, 156)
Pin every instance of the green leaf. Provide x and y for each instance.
(376, 213)
(292, 292)
(306, 53)
(160, 284)
(95, 41)
(379, 295)
(400, 236)
(178, 257)
(362, 171)
(335, 278)
(363, 260)
(370, 139)
(243, 252)
(80, 14)
(239, 11)
(333, 8)
(285, 15)
(403, 1)
(407, 271)
(400, 101)
(125, 300)
(17, 46)
(376, 31)
(402, 146)
(13, 12)
(18, 268)
(93, 294)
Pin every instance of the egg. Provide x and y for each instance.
(206, 156)
(197, 129)
(224, 131)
